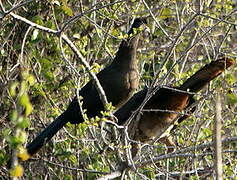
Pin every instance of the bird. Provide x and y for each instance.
(151, 124)
(119, 80)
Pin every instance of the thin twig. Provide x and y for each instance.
(218, 19)
(87, 12)
(67, 167)
(23, 45)
(17, 7)
(65, 58)
(154, 18)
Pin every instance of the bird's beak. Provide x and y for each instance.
(147, 29)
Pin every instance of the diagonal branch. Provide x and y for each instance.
(30, 23)
(73, 48)
(83, 61)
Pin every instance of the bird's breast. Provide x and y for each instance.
(132, 79)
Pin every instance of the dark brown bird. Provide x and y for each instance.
(177, 99)
(119, 81)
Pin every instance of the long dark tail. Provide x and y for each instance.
(46, 135)
(201, 78)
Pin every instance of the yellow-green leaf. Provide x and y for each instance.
(23, 88)
(13, 89)
(28, 109)
(23, 122)
(21, 137)
(23, 154)
(24, 100)
(14, 115)
(77, 36)
(231, 98)
(66, 9)
(17, 171)
(165, 13)
(31, 79)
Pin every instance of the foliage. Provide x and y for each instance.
(39, 76)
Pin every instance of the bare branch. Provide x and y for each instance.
(188, 149)
(74, 18)
(37, 26)
(112, 175)
(218, 19)
(154, 18)
(67, 167)
(217, 138)
(23, 45)
(17, 7)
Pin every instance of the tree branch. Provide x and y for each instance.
(74, 49)
(188, 149)
(83, 61)
(87, 12)
(217, 139)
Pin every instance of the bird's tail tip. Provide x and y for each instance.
(225, 61)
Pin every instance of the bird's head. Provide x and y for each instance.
(139, 24)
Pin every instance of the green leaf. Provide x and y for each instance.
(13, 116)
(31, 79)
(3, 52)
(165, 13)
(68, 177)
(73, 159)
(24, 100)
(38, 89)
(230, 78)
(6, 132)
(66, 9)
(45, 63)
(49, 75)
(207, 131)
(16, 140)
(38, 20)
(23, 123)
(13, 89)
(23, 88)
(231, 98)
(95, 67)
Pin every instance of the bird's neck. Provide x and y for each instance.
(126, 55)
